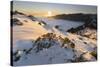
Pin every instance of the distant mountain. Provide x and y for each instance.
(89, 19)
(75, 17)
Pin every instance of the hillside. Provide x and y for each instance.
(90, 20)
(47, 41)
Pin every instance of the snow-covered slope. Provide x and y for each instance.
(30, 30)
(49, 43)
(63, 25)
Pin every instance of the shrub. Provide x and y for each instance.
(66, 40)
(94, 53)
(72, 45)
(45, 41)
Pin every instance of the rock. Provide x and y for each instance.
(15, 21)
(45, 41)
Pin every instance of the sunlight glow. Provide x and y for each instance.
(49, 13)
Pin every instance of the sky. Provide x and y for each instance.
(44, 9)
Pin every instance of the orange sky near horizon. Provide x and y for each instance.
(45, 9)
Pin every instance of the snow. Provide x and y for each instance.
(25, 35)
(28, 31)
(22, 44)
(63, 24)
(55, 54)
(80, 43)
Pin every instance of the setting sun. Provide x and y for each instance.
(49, 13)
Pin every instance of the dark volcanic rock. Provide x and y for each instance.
(15, 21)
(32, 18)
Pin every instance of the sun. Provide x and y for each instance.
(49, 13)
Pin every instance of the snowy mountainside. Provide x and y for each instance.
(30, 30)
(46, 41)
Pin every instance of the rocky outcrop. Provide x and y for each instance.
(15, 21)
